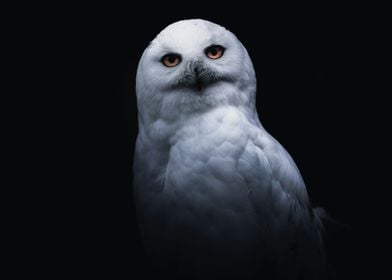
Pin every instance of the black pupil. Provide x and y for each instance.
(171, 59)
(213, 51)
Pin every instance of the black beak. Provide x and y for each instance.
(197, 76)
(197, 68)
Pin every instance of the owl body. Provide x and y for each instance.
(217, 196)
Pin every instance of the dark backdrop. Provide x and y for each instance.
(312, 97)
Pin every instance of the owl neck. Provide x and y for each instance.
(162, 132)
(161, 114)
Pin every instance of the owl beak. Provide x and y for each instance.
(196, 76)
(197, 68)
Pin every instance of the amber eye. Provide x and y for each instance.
(171, 59)
(215, 51)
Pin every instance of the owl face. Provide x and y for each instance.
(194, 65)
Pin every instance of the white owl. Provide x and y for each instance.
(217, 197)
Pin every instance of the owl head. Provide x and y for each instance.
(193, 66)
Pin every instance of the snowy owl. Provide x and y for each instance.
(217, 197)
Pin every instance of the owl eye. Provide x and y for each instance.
(215, 51)
(171, 59)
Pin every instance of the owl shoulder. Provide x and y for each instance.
(266, 163)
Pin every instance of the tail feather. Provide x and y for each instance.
(328, 228)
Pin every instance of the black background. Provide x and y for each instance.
(314, 97)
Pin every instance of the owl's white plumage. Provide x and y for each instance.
(217, 196)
